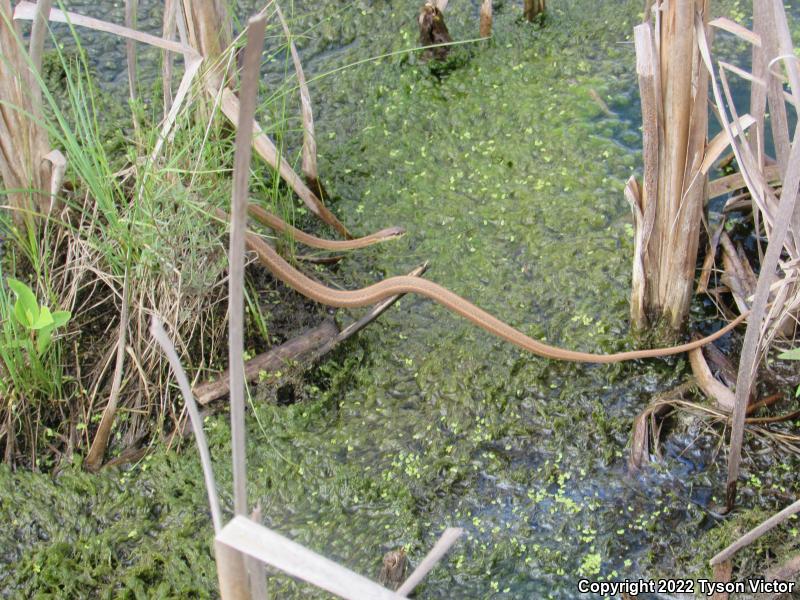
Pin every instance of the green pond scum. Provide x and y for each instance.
(508, 176)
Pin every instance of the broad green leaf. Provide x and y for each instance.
(45, 319)
(43, 340)
(26, 310)
(61, 318)
(793, 354)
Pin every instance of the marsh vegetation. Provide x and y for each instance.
(506, 164)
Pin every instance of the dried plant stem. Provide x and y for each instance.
(533, 8)
(266, 149)
(94, 459)
(271, 548)
(309, 156)
(485, 26)
(131, 12)
(36, 49)
(157, 330)
(673, 83)
(23, 139)
(755, 533)
(781, 222)
(241, 176)
(445, 542)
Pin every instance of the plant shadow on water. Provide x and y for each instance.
(508, 177)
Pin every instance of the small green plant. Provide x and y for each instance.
(36, 319)
(26, 334)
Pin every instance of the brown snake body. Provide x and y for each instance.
(278, 224)
(414, 285)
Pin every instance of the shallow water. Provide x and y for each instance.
(508, 177)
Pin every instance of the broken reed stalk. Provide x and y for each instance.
(168, 33)
(780, 218)
(485, 27)
(755, 533)
(39, 31)
(533, 8)
(673, 84)
(131, 13)
(269, 547)
(24, 144)
(309, 154)
(266, 149)
(209, 32)
(440, 548)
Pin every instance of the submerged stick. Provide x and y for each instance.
(275, 359)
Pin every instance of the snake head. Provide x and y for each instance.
(391, 233)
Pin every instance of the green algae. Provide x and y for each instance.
(509, 178)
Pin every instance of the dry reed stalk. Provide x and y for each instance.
(711, 387)
(485, 27)
(256, 570)
(778, 219)
(755, 533)
(673, 84)
(266, 149)
(131, 14)
(161, 337)
(23, 139)
(94, 458)
(269, 547)
(241, 176)
(440, 548)
(233, 573)
(39, 31)
(309, 154)
(168, 31)
(209, 34)
(722, 573)
(533, 8)
(209, 31)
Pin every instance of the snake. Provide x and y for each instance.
(274, 222)
(404, 284)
